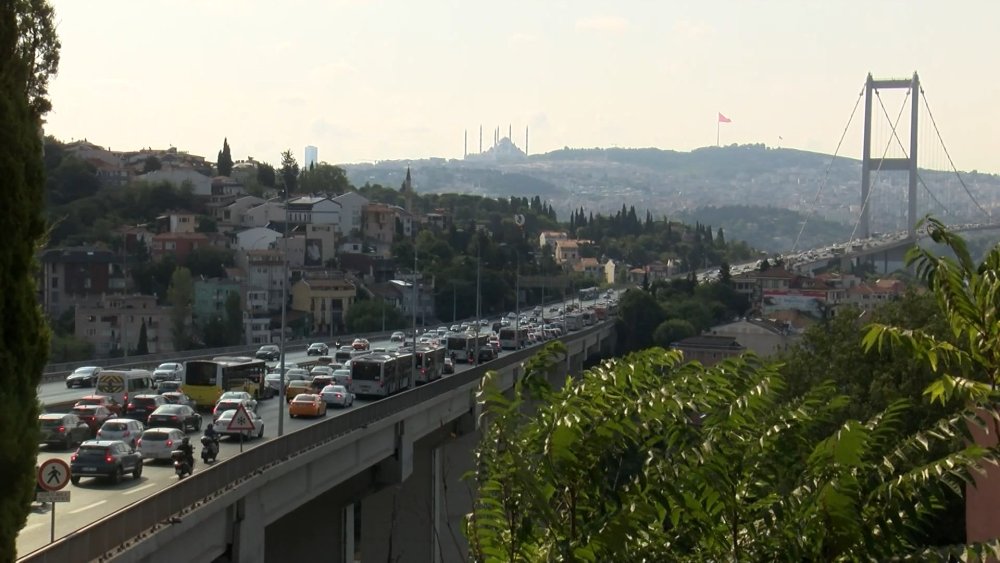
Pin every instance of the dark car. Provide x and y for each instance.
(448, 366)
(268, 352)
(487, 354)
(317, 349)
(66, 430)
(141, 406)
(93, 415)
(83, 377)
(168, 387)
(175, 416)
(104, 458)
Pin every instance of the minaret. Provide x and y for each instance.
(465, 146)
(510, 133)
(480, 139)
(408, 188)
(525, 140)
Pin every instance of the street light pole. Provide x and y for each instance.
(413, 312)
(124, 330)
(517, 301)
(284, 301)
(479, 262)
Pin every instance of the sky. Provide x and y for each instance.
(367, 80)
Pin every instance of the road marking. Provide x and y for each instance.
(88, 507)
(137, 489)
(26, 528)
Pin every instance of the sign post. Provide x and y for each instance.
(53, 474)
(241, 422)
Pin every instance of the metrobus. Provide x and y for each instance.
(461, 345)
(122, 384)
(381, 375)
(430, 362)
(574, 321)
(588, 294)
(513, 340)
(588, 317)
(206, 380)
(346, 353)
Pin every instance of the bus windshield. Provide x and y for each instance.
(457, 344)
(201, 373)
(367, 371)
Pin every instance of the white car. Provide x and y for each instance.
(321, 370)
(170, 371)
(337, 395)
(158, 443)
(239, 396)
(221, 425)
(397, 337)
(342, 377)
(125, 429)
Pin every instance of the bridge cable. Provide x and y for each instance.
(871, 189)
(829, 166)
(902, 148)
(947, 154)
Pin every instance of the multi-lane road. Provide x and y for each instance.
(93, 499)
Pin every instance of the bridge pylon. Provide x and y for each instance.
(908, 164)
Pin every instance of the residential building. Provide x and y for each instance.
(550, 238)
(264, 270)
(244, 171)
(709, 349)
(177, 222)
(257, 329)
(72, 273)
(261, 215)
(610, 272)
(313, 210)
(567, 251)
(326, 298)
(763, 337)
(110, 321)
(178, 245)
(379, 223)
(110, 166)
(439, 220)
(352, 206)
(369, 267)
(320, 245)
(210, 299)
(589, 267)
(179, 177)
(231, 216)
(399, 293)
(254, 238)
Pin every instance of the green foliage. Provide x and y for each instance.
(142, 346)
(367, 316)
(672, 330)
(771, 229)
(69, 348)
(210, 261)
(289, 172)
(224, 161)
(29, 54)
(638, 316)
(324, 178)
(180, 295)
(266, 175)
(151, 164)
(649, 458)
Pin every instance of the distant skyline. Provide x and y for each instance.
(389, 80)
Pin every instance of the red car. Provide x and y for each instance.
(93, 415)
(100, 401)
(360, 344)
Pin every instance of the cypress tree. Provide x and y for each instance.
(24, 336)
(142, 347)
(225, 159)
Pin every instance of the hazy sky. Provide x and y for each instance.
(370, 80)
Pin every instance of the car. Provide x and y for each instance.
(93, 415)
(159, 443)
(317, 349)
(273, 382)
(397, 337)
(448, 366)
(297, 374)
(179, 398)
(239, 396)
(124, 429)
(104, 458)
(182, 417)
(342, 377)
(320, 381)
(83, 377)
(229, 404)
(60, 429)
(337, 395)
(487, 354)
(268, 352)
(170, 371)
(100, 401)
(221, 425)
(455, 328)
(360, 344)
(141, 406)
(296, 387)
(168, 387)
(306, 404)
(321, 370)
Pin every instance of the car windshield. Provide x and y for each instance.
(144, 401)
(168, 367)
(84, 371)
(85, 410)
(232, 395)
(114, 426)
(51, 422)
(226, 405)
(170, 409)
(304, 399)
(90, 401)
(155, 436)
(93, 450)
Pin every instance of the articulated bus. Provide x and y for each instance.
(119, 385)
(430, 362)
(381, 375)
(513, 340)
(588, 294)
(462, 345)
(206, 380)
(574, 321)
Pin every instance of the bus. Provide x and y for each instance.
(381, 375)
(119, 385)
(346, 353)
(588, 317)
(513, 340)
(574, 321)
(206, 380)
(461, 345)
(588, 294)
(430, 362)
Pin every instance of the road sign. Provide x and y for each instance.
(241, 420)
(53, 474)
(52, 496)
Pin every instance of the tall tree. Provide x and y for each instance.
(180, 295)
(266, 176)
(29, 56)
(224, 162)
(234, 319)
(151, 164)
(289, 172)
(142, 346)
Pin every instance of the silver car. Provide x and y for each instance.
(170, 371)
(125, 429)
(337, 395)
(157, 443)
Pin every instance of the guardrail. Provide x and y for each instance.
(99, 538)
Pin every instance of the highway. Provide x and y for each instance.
(93, 499)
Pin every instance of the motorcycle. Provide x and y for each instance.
(183, 465)
(209, 449)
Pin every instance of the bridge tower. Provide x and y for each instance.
(908, 164)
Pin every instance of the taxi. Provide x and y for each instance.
(305, 404)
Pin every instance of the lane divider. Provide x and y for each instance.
(88, 507)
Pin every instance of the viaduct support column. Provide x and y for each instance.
(248, 529)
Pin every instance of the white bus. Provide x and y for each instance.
(574, 321)
(346, 353)
(430, 362)
(513, 340)
(589, 317)
(122, 384)
(381, 375)
(463, 344)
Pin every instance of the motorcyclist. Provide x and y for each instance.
(188, 450)
(211, 433)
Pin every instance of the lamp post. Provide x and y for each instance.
(479, 262)
(284, 302)
(413, 312)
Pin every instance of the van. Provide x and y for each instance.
(119, 385)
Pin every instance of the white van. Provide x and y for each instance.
(122, 384)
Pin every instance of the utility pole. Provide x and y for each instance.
(479, 262)
(416, 300)
(517, 300)
(284, 300)
(124, 330)
(454, 303)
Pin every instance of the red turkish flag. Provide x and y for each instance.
(724, 119)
